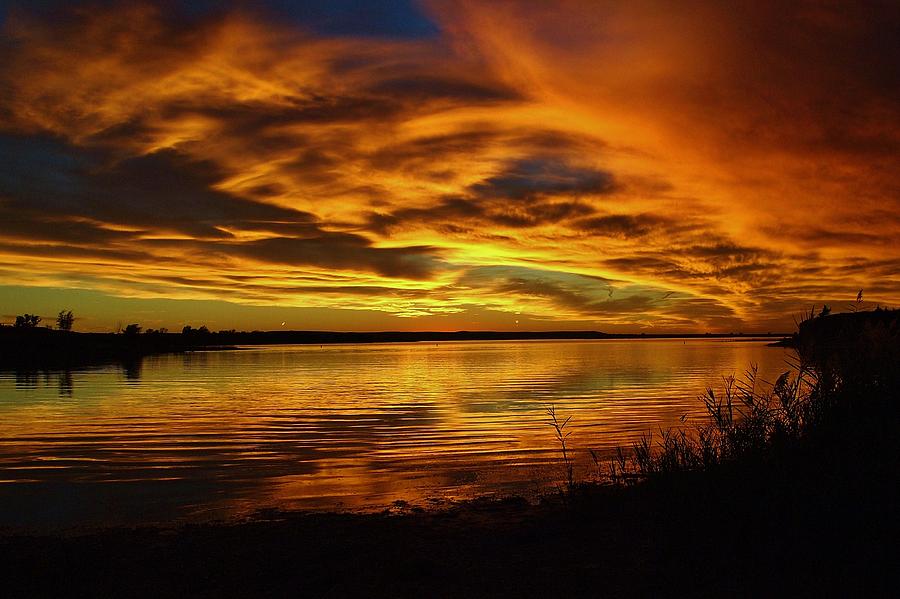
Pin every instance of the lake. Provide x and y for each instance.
(222, 434)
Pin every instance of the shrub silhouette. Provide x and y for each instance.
(64, 320)
(27, 321)
(844, 372)
(189, 330)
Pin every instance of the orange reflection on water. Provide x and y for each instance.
(223, 433)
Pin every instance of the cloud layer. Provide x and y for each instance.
(592, 164)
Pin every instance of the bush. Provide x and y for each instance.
(64, 320)
(27, 321)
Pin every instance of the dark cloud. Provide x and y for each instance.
(27, 226)
(721, 260)
(889, 268)
(164, 190)
(621, 225)
(600, 298)
(170, 191)
(727, 260)
(568, 290)
(249, 119)
(526, 193)
(834, 66)
(540, 213)
(541, 176)
(79, 255)
(646, 264)
(453, 211)
(449, 210)
(53, 192)
(315, 166)
(586, 301)
(263, 287)
(820, 237)
(392, 18)
(134, 130)
(429, 87)
(343, 252)
(424, 151)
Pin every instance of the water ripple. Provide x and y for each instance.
(222, 432)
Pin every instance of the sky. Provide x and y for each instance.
(645, 166)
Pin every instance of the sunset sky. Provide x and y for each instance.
(350, 165)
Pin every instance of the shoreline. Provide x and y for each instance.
(47, 349)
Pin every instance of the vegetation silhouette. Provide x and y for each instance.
(27, 321)
(845, 367)
(40, 347)
(562, 436)
(25, 345)
(64, 320)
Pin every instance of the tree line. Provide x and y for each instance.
(65, 321)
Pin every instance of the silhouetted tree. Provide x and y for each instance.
(64, 320)
(188, 330)
(27, 321)
(132, 329)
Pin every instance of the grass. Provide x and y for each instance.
(842, 382)
(562, 435)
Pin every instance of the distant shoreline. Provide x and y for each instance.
(335, 337)
(41, 348)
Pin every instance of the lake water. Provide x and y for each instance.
(221, 434)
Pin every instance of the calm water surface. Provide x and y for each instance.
(219, 434)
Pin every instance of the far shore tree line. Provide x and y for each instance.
(65, 321)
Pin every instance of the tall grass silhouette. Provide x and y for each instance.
(844, 372)
(562, 436)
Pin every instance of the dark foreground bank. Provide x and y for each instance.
(805, 512)
(738, 533)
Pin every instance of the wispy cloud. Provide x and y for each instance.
(590, 164)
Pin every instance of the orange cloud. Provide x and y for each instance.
(593, 164)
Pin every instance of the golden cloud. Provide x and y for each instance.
(607, 165)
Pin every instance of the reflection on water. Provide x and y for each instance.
(219, 433)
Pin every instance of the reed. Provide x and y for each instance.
(562, 436)
(749, 420)
(844, 372)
